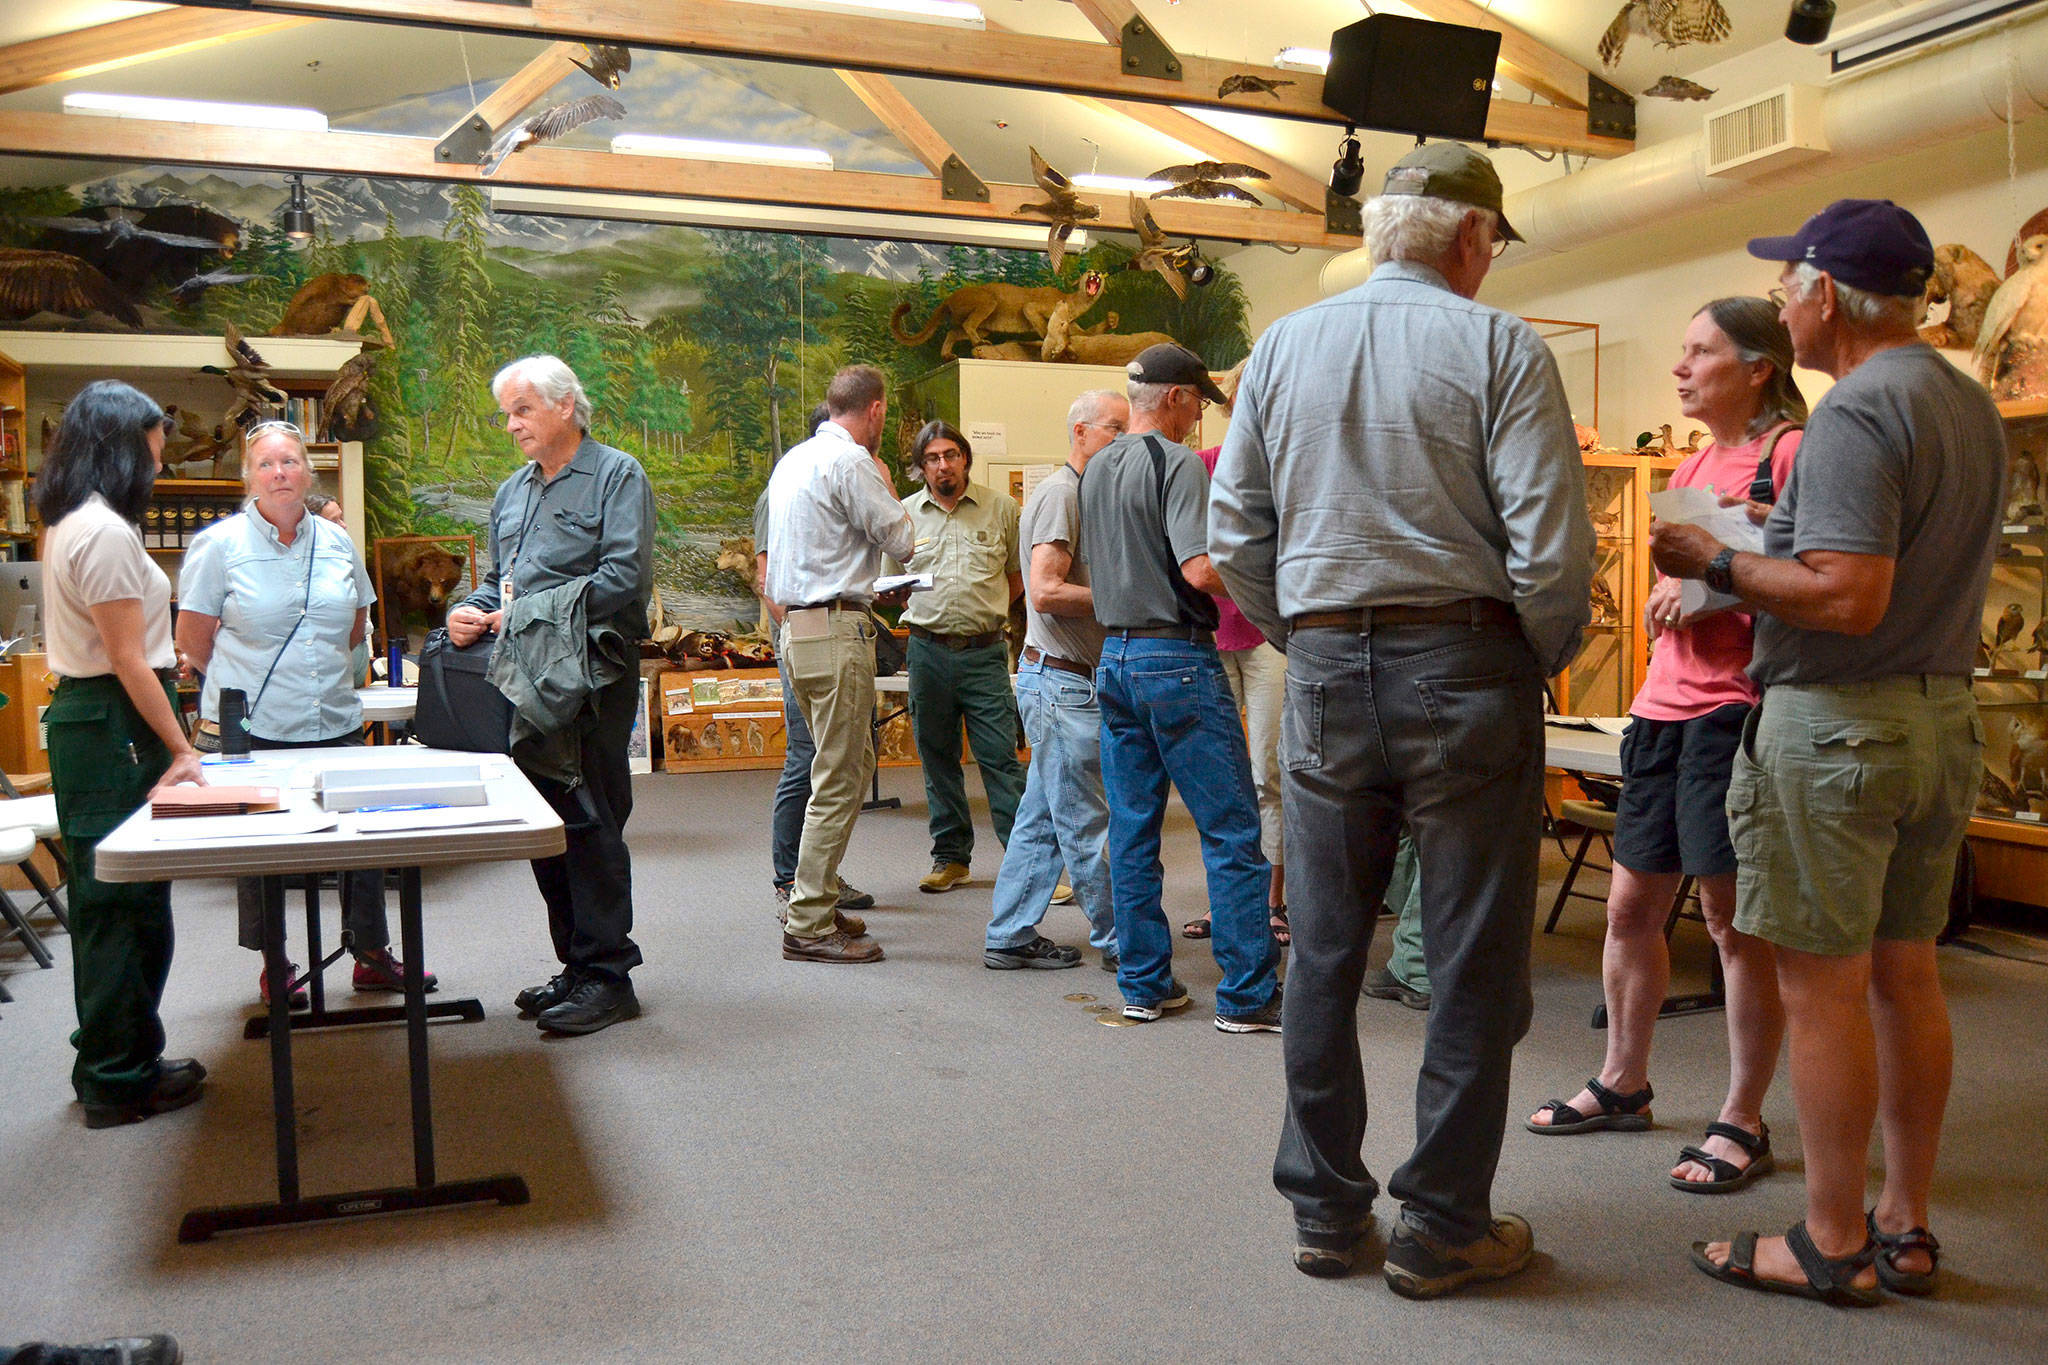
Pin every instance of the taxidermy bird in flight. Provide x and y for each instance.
(34, 282)
(1669, 23)
(1678, 88)
(1207, 180)
(608, 62)
(1249, 85)
(1063, 205)
(550, 124)
(1156, 253)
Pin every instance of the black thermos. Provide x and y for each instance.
(234, 722)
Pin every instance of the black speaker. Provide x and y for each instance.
(1403, 75)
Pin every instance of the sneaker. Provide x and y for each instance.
(853, 898)
(1110, 962)
(1040, 952)
(1063, 894)
(1329, 1255)
(1145, 1014)
(943, 877)
(300, 1000)
(379, 970)
(1382, 984)
(151, 1350)
(1421, 1267)
(595, 1002)
(536, 999)
(1264, 1019)
(176, 1086)
(837, 946)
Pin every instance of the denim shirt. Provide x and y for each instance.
(241, 571)
(593, 520)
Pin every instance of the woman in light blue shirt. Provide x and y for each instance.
(272, 601)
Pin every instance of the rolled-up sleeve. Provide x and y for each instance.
(1244, 529)
(625, 545)
(1539, 485)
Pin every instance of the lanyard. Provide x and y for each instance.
(312, 543)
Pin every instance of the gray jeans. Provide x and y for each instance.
(1440, 726)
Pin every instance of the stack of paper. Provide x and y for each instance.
(173, 802)
(1729, 525)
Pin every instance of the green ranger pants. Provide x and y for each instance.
(948, 686)
(1404, 894)
(104, 758)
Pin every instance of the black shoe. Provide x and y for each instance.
(1264, 1019)
(534, 999)
(153, 1350)
(595, 1002)
(174, 1089)
(1382, 984)
(1110, 962)
(167, 1065)
(1041, 953)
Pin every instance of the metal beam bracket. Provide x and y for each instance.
(467, 142)
(1146, 53)
(1342, 215)
(1610, 110)
(958, 181)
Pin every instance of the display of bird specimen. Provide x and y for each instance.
(1995, 795)
(1965, 282)
(2022, 488)
(608, 62)
(2039, 646)
(34, 282)
(1668, 23)
(1589, 437)
(2010, 622)
(2028, 763)
(1063, 207)
(1156, 253)
(1606, 611)
(1678, 88)
(196, 449)
(137, 247)
(247, 373)
(345, 408)
(1249, 85)
(187, 292)
(549, 124)
(2012, 347)
(1208, 180)
(1658, 442)
(1692, 442)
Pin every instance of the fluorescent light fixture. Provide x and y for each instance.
(814, 222)
(704, 149)
(952, 13)
(1119, 184)
(198, 111)
(1314, 59)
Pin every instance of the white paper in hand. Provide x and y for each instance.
(1730, 525)
(916, 582)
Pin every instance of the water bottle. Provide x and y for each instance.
(234, 724)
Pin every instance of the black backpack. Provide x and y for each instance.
(458, 707)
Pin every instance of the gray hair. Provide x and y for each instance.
(1088, 407)
(552, 379)
(1867, 311)
(1149, 397)
(1415, 227)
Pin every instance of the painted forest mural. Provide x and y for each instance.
(702, 351)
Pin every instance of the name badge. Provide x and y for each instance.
(505, 591)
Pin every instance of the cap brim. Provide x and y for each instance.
(1210, 391)
(1507, 229)
(1776, 248)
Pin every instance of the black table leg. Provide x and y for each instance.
(278, 970)
(878, 801)
(1715, 997)
(416, 1025)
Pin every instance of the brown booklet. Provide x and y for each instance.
(172, 802)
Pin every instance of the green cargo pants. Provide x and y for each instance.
(104, 758)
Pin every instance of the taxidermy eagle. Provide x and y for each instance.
(1207, 180)
(134, 247)
(1669, 23)
(608, 62)
(550, 124)
(1063, 205)
(345, 411)
(34, 282)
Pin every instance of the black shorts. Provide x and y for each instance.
(1673, 815)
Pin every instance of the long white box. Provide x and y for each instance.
(453, 784)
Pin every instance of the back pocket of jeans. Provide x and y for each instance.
(1301, 726)
(1481, 724)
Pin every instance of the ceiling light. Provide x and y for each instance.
(814, 222)
(269, 116)
(1313, 59)
(297, 219)
(1119, 184)
(952, 13)
(705, 149)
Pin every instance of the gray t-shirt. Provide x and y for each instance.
(1905, 458)
(1053, 516)
(1135, 540)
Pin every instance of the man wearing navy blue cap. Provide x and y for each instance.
(1857, 772)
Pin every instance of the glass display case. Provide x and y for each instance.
(1603, 678)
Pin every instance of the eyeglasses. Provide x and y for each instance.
(1500, 244)
(1778, 299)
(1118, 427)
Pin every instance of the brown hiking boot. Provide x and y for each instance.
(837, 946)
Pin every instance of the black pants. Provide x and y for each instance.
(589, 888)
(362, 893)
(1441, 726)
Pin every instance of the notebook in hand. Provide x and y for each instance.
(178, 801)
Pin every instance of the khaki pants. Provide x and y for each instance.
(1258, 679)
(834, 682)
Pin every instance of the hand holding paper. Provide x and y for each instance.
(1684, 555)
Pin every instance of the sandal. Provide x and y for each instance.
(1727, 1176)
(1276, 920)
(1618, 1113)
(1195, 928)
(1890, 1245)
(1829, 1281)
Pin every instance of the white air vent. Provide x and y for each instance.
(1777, 129)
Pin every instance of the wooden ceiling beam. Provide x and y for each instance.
(528, 84)
(887, 102)
(1523, 60)
(151, 142)
(109, 47)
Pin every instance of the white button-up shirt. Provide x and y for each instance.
(831, 518)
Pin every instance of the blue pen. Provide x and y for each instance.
(425, 805)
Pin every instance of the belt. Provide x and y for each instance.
(1194, 635)
(987, 637)
(1034, 655)
(831, 604)
(1472, 611)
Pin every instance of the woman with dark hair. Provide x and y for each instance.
(1734, 374)
(114, 738)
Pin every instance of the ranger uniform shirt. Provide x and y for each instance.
(970, 552)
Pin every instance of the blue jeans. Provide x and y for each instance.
(1168, 716)
(1063, 817)
(793, 789)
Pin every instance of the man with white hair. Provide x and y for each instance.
(1401, 502)
(578, 510)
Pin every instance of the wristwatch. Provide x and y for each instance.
(1720, 573)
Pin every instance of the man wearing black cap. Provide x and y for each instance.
(1401, 501)
(1167, 710)
(1858, 770)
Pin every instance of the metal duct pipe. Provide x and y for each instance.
(1940, 97)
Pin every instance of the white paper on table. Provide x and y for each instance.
(261, 824)
(1609, 725)
(916, 582)
(453, 817)
(1730, 525)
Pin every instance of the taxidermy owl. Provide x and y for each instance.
(1669, 23)
(2012, 346)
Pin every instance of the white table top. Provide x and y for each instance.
(1586, 751)
(386, 704)
(133, 853)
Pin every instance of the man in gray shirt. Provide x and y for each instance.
(1167, 711)
(1858, 771)
(1401, 504)
(1063, 816)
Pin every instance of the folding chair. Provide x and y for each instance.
(1598, 823)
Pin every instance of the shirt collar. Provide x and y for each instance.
(930, 501)
(580, 462)
(269, 532)
(1415, 272)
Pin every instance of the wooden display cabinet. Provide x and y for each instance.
(14, 528)
(1602, 680)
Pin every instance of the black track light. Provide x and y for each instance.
(1809, 21)
(297, 218)
(1348, 172)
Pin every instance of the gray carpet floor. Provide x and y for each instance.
(922, 1160)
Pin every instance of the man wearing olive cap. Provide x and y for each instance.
(1401, 502)
(1858, 771)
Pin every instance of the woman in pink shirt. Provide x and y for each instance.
(1734, 374)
